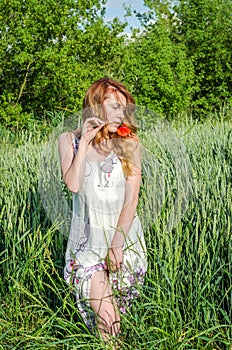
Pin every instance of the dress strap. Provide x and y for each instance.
(75, 142)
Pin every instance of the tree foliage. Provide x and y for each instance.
(52, 50)
(205, 27)
(158, 70)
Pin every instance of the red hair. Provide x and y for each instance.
(93, 107)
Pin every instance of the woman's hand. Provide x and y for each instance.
(114, 259)
(90, 128)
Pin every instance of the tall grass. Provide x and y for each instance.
(187, 297)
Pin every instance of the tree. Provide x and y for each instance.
(51, 50)
(157, 69)
(205, 27)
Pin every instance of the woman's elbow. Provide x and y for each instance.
(72, 187)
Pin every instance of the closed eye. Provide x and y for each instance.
(118, 106)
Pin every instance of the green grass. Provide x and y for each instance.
(187, 297)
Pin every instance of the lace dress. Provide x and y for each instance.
(96, 209)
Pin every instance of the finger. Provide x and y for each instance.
(91, 132)
(108, 263)
(98, 127)
(119, 266)
(94, 121)
(98, 121)
(93, 127)
(113, 266)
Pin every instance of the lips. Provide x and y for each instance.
(118, 122)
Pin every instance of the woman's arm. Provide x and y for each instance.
(115, 253)
(73, 166)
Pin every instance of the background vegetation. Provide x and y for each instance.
(51, 51)
(186, 299)
(178, 65)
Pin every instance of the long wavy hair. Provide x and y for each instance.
(126, 148)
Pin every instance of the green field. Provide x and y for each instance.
(187, 297)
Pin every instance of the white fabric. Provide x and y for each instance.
(96, 209)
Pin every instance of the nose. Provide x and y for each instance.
(121, 113)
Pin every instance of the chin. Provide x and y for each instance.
(112, 129)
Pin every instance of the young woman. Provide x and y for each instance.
(106, 254)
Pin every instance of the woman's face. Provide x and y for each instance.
(114, 106)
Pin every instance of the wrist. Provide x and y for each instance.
(83, 145)
(118, 240)
(116, 246)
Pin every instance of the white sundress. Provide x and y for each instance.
(96, 209)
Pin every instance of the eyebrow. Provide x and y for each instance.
(119, 104)
(117, 99)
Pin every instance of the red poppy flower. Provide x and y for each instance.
(123, 130)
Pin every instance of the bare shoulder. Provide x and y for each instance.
(66, 139)
(65, 144)
(66, 136)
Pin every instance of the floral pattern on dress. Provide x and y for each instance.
(124, 283)
(126, 287)
(96, 208)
